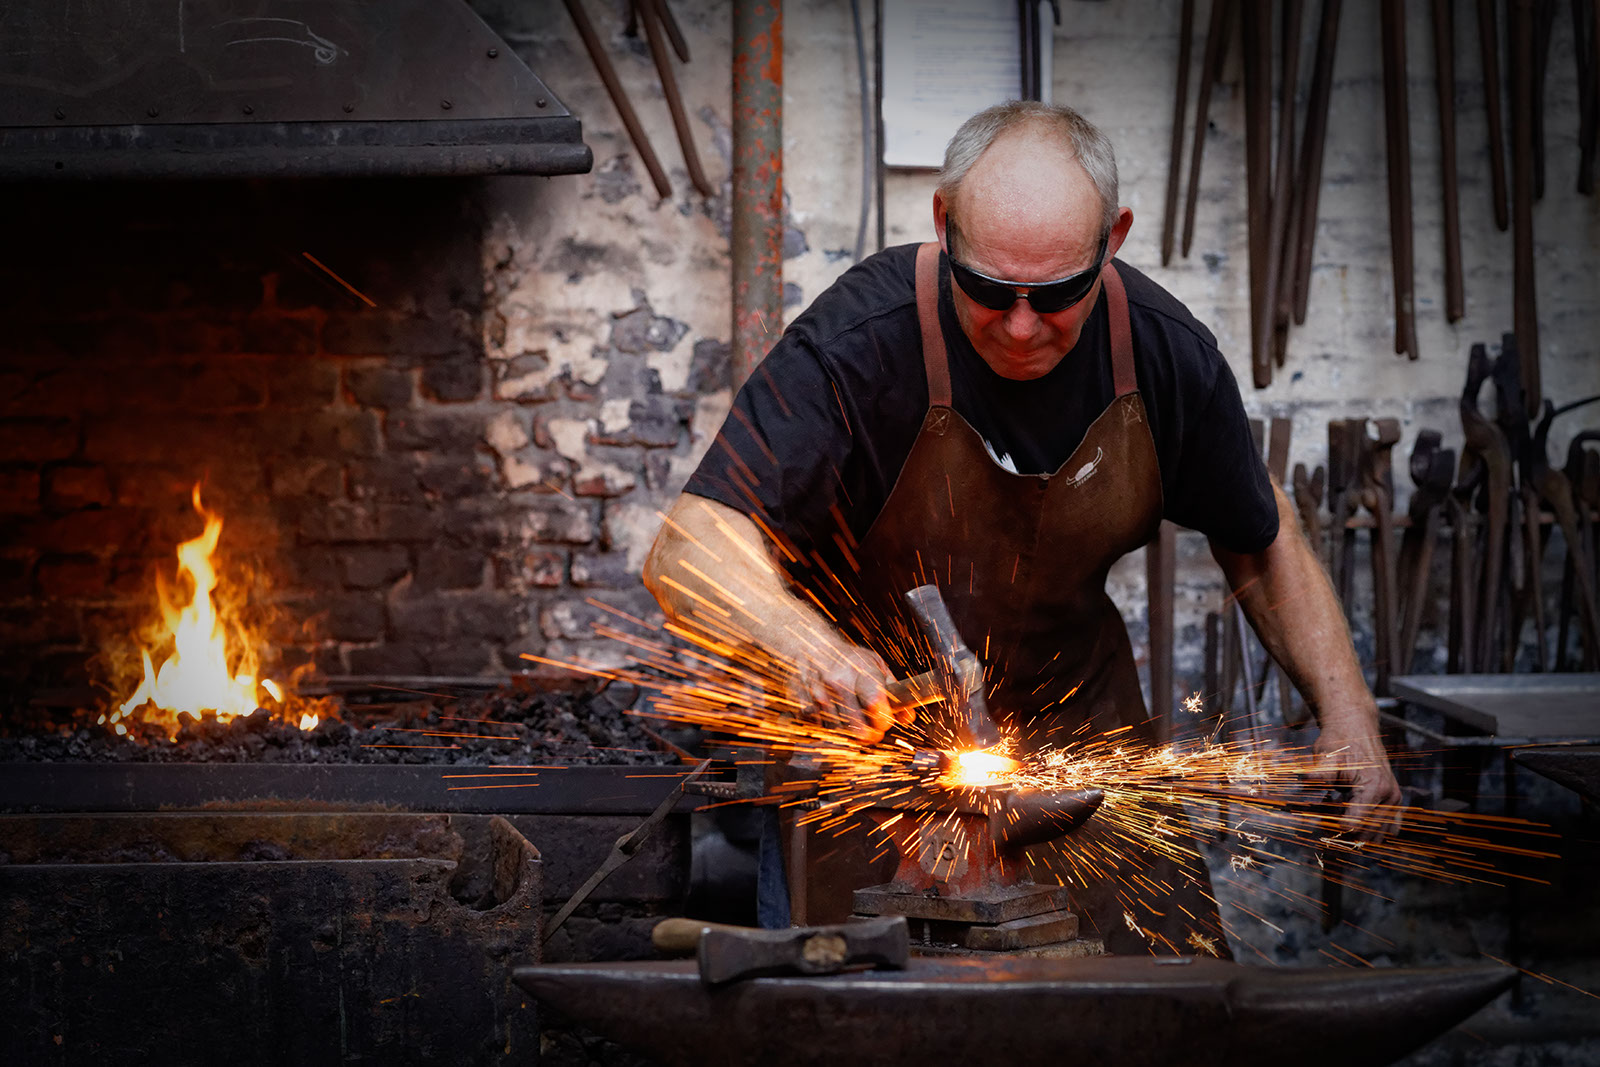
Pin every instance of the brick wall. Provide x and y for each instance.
(161, 335)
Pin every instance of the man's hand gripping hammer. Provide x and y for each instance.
(957, 676)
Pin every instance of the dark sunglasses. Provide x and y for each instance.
(997, 294)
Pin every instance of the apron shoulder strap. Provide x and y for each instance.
(1122, 374)
(933, 353)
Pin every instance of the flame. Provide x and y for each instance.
(978, 767)
(213, 666)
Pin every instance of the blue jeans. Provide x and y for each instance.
(772, 888)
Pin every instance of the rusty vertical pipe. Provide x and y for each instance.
(757, 246)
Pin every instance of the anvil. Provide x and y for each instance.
(1175, 1011)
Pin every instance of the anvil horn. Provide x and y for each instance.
(1032, 816)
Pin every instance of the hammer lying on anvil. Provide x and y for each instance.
(728, 953)
(956, 677)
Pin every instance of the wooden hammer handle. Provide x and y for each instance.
(680, 935)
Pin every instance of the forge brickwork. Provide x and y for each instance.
(408, 497)
(439, 418)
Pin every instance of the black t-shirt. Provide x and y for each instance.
(818, 434)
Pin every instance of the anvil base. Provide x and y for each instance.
(996, 918)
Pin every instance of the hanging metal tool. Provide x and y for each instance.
(619, 97)
(624, 850)
(1281, 208)
(1210, 72)
(1256, 37)
(1169, 217)
(1445, 81)
(1377, 496)
(1489, 53)
(1432, 470)
(653, 13)
(1397, 129)
(1583, 475)
(1524, 294)
(1309, 175)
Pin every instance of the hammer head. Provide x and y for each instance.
(728, 954)
(960, 667)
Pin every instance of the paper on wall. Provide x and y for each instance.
(943, 61)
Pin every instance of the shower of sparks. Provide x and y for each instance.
(707, 670)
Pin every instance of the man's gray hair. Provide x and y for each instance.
(1091, 148)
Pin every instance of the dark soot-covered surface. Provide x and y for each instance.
(510, 725)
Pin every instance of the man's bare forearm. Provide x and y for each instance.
(1290, 603)
(710, 565)
(710, 569)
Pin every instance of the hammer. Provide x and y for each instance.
(730, 953)
(957, 676)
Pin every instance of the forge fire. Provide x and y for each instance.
(210, 662)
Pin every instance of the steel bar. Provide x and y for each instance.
(1279, 436)
(1524, 296)
(1190, 1012)
(1256, 24)
(1160, 575)
(1587, 57)
(1544, 22)
(1210, 71)
(756, 247)
(669, 22)
(1444, 46)
(1312, 144)
(619, 97)
(1180, 107)
(44, 787)
(1398, 135)
(1588, 147)
(1489, 55)
(650, 13)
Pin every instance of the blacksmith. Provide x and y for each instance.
(1007, 412)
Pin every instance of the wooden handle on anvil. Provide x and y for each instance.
(683, 935)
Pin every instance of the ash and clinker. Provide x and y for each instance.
(506, 726)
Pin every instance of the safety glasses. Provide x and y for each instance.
(997, 294)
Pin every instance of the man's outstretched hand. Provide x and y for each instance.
(1351, 754)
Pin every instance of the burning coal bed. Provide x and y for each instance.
(515, 724)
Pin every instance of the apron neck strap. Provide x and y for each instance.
(938, 363)
(1122, 375)
(933, 354)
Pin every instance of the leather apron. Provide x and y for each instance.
(1021, 560)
